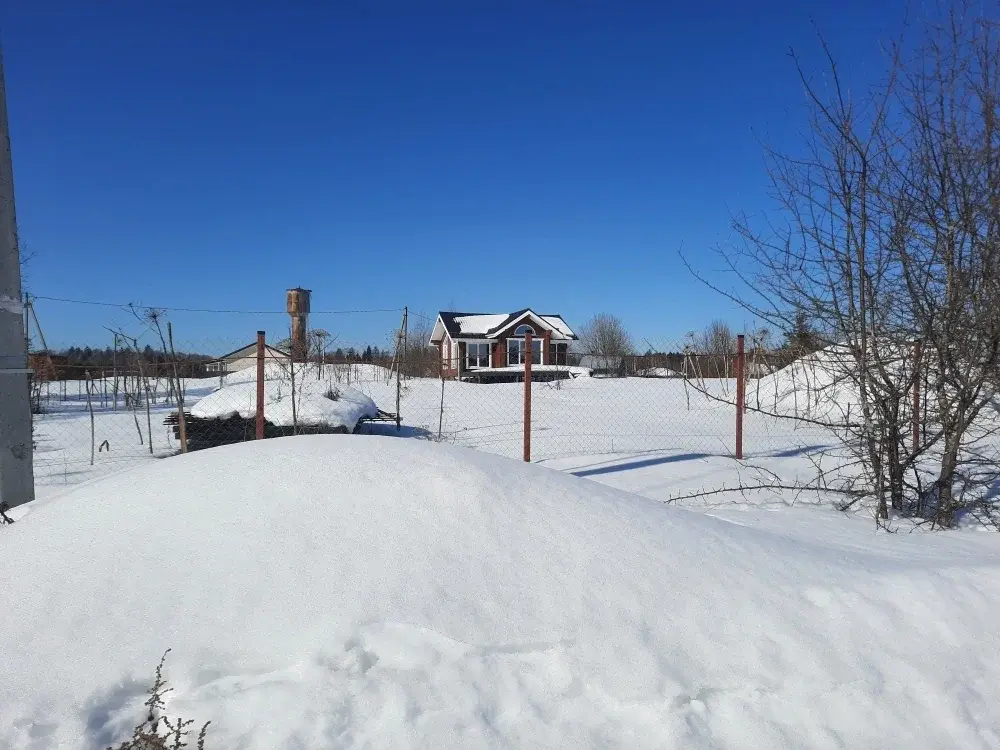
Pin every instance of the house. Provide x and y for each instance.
(491, 346)
(245, 357)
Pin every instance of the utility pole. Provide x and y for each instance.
(17, 482)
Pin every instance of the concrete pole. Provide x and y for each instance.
(17, 483)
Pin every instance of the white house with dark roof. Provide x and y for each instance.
(491, 346)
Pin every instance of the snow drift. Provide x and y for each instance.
(317, 402)
(334, 591)
(817, 386)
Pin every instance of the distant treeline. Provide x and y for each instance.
(74, 362)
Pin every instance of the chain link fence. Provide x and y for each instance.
(147, 389)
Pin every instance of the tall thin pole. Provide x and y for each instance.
(17, 483)
(441, 412)
(740, 395)
(400, 359)
(260, 385)
(178, 395)
(527, 397)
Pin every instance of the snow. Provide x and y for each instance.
(580, 416)
(479, 325)
(559, 325)
(661, 372)
(586, 416)
(62, 431)
(573, 372)
(346, 591)
(312, 404)
(816, 386)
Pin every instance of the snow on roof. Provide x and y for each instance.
(238, 397)
(252, 347)
(350, 584)
(559, 324)
(479, 324)
(484, 325)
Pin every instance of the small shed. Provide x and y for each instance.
(245, 357)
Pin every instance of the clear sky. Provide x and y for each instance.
(440, 154)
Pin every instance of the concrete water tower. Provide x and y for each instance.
(298, 308)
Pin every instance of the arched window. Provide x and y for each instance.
(524, 329)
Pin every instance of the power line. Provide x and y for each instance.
(130, 305)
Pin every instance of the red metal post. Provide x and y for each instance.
(916, 395)
(527, 397)
(740, 395)
(260, 385)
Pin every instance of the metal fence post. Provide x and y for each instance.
(260, 385)
(527, 397)
(740, 395)
(401, 345)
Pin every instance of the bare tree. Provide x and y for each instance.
(886, 247)
(717, 338)
(949, 241)
(319, 337)
(605, 338)
(714, 350)
(419, 357)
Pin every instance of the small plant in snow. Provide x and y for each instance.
(158, 732)
(4, 518)
(332, 393)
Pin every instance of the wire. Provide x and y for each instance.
(128, 305)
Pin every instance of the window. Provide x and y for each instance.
(477, 355)
(515, 352)
(560, 354)
(213, 366)
(524, 329)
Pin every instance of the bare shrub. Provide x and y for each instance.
(157, 731)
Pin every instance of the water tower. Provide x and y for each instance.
(298, 308)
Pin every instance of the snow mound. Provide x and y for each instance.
(334, 591)
(316, 402)
(660, 372)
(817, 386)
(330, 373)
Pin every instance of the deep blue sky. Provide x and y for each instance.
(486, 155)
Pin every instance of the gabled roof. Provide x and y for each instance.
(253, 347)
(463, 325)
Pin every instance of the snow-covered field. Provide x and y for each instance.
(361, 591)
(641, 418)
(63, 433)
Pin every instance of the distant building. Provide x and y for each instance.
(491, 346)
(602, 363)
(245, 357)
